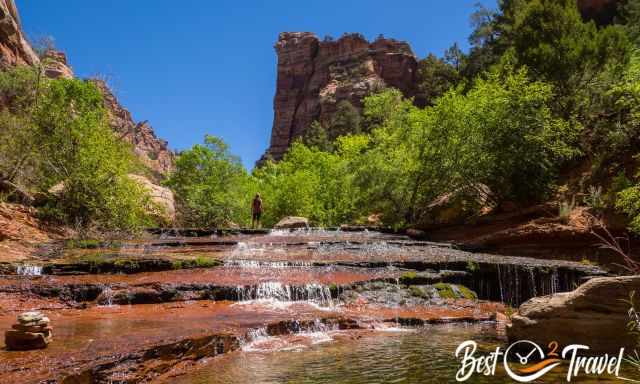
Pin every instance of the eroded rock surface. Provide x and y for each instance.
(56, 65)
(292, 222)
(314, 75)
(14, 48)
(595, 315)
(153, 151)
(161, 196)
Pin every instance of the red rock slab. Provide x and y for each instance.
(221, 276)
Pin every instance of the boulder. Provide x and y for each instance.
(165, 208)
(594, 314)
(292, 222)
(161, 196)
(458, 205)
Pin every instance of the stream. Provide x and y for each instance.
(310, 306)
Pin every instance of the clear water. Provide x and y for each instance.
(419, 356)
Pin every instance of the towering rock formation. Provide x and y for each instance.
(152, 151)
(314, 75)
(14, 48)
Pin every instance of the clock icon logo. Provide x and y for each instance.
(528, 360)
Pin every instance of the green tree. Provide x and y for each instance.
(345, 120)
(212, 187)
(55, 132)
(434, 78)
(316, 136)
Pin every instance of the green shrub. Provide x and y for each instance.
(56, 132)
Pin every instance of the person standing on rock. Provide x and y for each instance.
(256, 211)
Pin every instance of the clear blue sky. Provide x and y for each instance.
(192, 67)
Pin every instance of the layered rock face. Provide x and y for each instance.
(152, 151)
(595, 315)
(314, 75)
(14, 48)
(56, 66)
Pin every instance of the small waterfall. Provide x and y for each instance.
(106, 297)
(255, 264)
(275, 338)
(29, 270)
(276, 291)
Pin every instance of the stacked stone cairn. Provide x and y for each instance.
(31, 332)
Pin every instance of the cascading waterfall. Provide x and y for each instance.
(29, 270)
(276, 291)
(255, 264)
(260, 339)
(106, 296)
(513, 284)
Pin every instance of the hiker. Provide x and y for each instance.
(256, 211)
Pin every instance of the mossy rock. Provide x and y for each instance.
(454, 291)
(418, 292)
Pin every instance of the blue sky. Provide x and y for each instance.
(192, 67)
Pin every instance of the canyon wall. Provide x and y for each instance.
(14, 47)
(152, 151)
(314, 75)
(16, 50)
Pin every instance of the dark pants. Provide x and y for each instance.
(255, 218)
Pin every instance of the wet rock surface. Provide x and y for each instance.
(595, 314)
(144, 310)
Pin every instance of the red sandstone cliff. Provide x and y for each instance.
(14, 48)
(314, 75)
(152, 151)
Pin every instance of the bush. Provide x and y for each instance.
(60, 136)
(211, 185)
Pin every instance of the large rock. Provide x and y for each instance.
(56, 66)
(161, 196)
(292, 222)
(14, 48)
(314, 75)
(458, 205)
(152, 151)
(595, 315)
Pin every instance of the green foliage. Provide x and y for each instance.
(564, 210)
(55, 132)
(212, 187)
(436, 76)
(629, 203)
(472, 266)
(595, 199)
(311, 183)
(417, 292)
(345, 121)
(316, 137)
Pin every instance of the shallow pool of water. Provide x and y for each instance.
(425, 355)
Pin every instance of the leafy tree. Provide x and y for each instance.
(316, 136)
(455, 57)
(211, 185)
(311, 183)
(345, 120)
(435, 77)
(55, 132)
